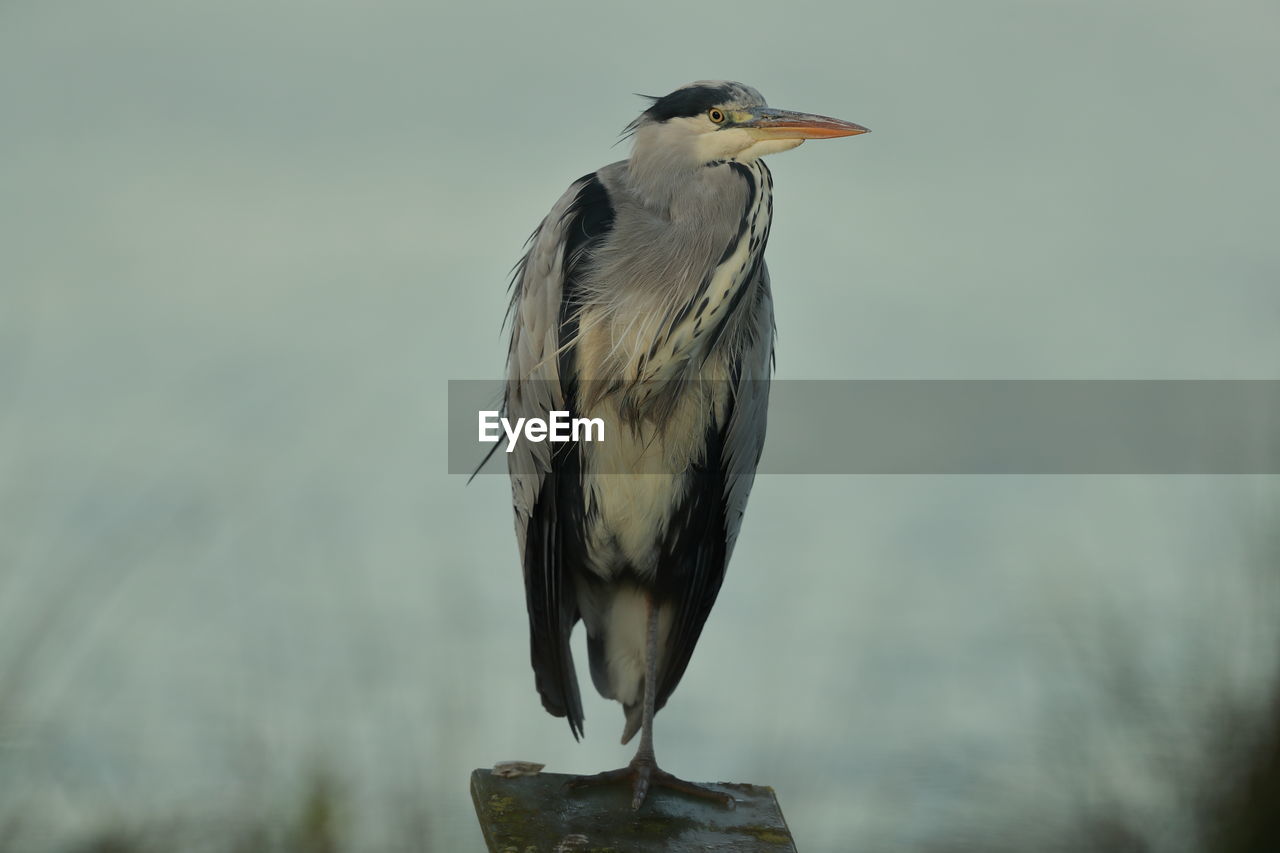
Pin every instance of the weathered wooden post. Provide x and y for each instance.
(535, 813)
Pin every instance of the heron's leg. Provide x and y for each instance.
(645, 763)
(643, 771)
(645, 752)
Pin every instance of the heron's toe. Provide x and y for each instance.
(640, 784)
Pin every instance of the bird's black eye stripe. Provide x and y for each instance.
(688, 102)
(716, 115)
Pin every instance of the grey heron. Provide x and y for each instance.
(649, 270)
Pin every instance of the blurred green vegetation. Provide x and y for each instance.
(1215, 754)
(317, 819)
(1229, 782)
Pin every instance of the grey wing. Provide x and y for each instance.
(546, 482)
(745, 426)
(704, 529)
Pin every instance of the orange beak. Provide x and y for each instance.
(768, 123)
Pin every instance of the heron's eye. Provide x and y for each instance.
(716, 115)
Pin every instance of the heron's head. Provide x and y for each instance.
(714, 120)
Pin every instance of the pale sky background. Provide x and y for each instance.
(244, 245)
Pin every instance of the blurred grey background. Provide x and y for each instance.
(244, 245)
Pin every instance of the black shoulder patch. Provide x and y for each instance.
(590, 218)
(690, 101)
(587, 222)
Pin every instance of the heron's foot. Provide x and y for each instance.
(645, 774)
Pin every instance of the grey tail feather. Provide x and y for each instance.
(635, 719)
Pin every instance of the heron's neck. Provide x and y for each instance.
(659, 174)
(714, 242)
